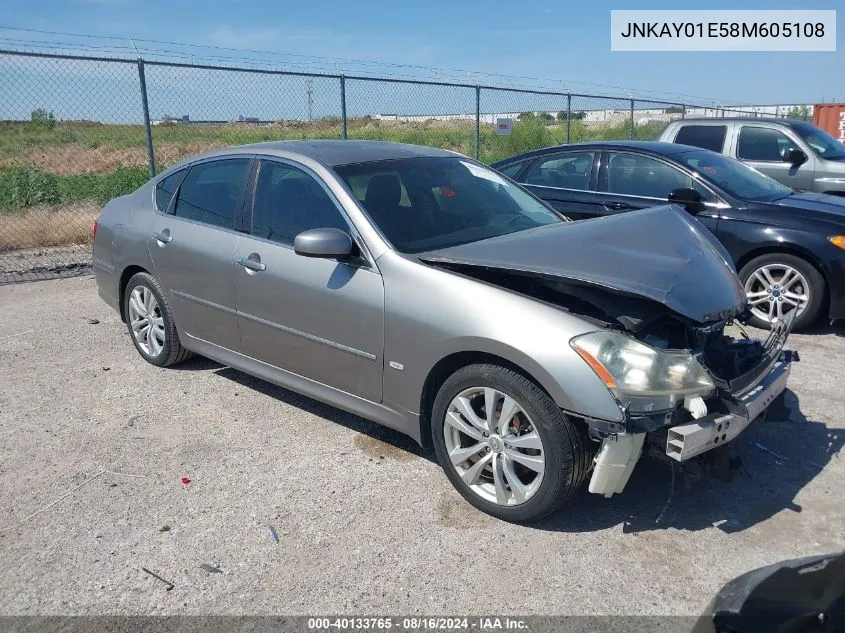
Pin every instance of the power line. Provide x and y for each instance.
(331, 62)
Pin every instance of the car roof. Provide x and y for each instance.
(655, 147)
(335, 152)
(742, 119)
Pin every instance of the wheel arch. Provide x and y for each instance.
(447, 366)
(786, 249)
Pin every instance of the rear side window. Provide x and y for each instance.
(567, 171)
(165, 189)
(710, 137)
(211, 191)
(513, 169)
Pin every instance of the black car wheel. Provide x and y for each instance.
(779, 283)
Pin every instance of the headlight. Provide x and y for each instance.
(640, 376)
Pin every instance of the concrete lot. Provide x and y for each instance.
(366, 521)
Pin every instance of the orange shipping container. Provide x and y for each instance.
(831, 118)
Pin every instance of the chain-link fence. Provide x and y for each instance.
(77, 131)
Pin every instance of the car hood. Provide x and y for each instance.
(661, 254)
(816, 204)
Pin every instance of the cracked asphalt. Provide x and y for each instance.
(97, 447)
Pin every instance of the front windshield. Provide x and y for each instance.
(820, 141)
(422, 204)
(733, 177)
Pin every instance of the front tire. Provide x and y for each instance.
(778, 283)
(519, 465)
(150, 322)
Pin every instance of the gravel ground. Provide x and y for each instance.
(31, 264)
(97, 442)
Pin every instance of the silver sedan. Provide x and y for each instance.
(420, 289)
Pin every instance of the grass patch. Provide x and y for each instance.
(57, 225)
(25, 186)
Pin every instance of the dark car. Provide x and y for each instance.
(788, 246)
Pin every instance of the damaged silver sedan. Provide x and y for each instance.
(420, 289)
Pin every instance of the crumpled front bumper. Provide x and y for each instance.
(738, 403)
(688, 440)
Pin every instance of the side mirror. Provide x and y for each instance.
(688, 198)
(795, 157)
(325, 243)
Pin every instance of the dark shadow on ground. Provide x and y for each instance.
(392, 439)
(778, 459)
(766, 484)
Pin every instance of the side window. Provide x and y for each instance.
(568, 171)
(289, 201)
(513, 169)
(165, 189)
(762, 143)
(710, 137)
(211, 191)
(642, 176)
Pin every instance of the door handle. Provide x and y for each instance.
(616, 206)
(162, 236)
(250, 264)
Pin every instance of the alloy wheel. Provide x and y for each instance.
(774, 290)
(146, 320)
(494, 446)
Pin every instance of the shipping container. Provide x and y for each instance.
(831, 118)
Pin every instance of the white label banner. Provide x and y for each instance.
(723, 30)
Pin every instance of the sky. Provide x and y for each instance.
(558, 45)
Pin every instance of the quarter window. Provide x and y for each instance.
(634, 175)
(513, 169)
(567, 171)
(710, 137)
(165, 189)
(289, 201)
(211, 191)
(762, 143)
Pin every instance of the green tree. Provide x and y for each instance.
(545, 117)
(42, 119)
(675, 109)
(802, 113)
(526, 116)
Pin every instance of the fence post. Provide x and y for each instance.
(343, 106)
(568, 116)
(632, 120)
(477, 122)
(151, 161)
(683, 111)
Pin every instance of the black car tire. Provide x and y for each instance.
(566, 446)
(171, 351)
(817, 288)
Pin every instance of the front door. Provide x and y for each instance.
(192, 244)
(319, 318)
(764, 149)
(629, 181)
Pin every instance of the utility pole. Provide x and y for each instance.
(310, 92)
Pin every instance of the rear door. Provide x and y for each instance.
(565, 180)
(629, 181)
(192, 243)
(764, 147)
(319, 318)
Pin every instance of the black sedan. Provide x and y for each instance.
(788, 246)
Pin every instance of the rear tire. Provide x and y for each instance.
(504, 486)
(150, 322)
(776, 280)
